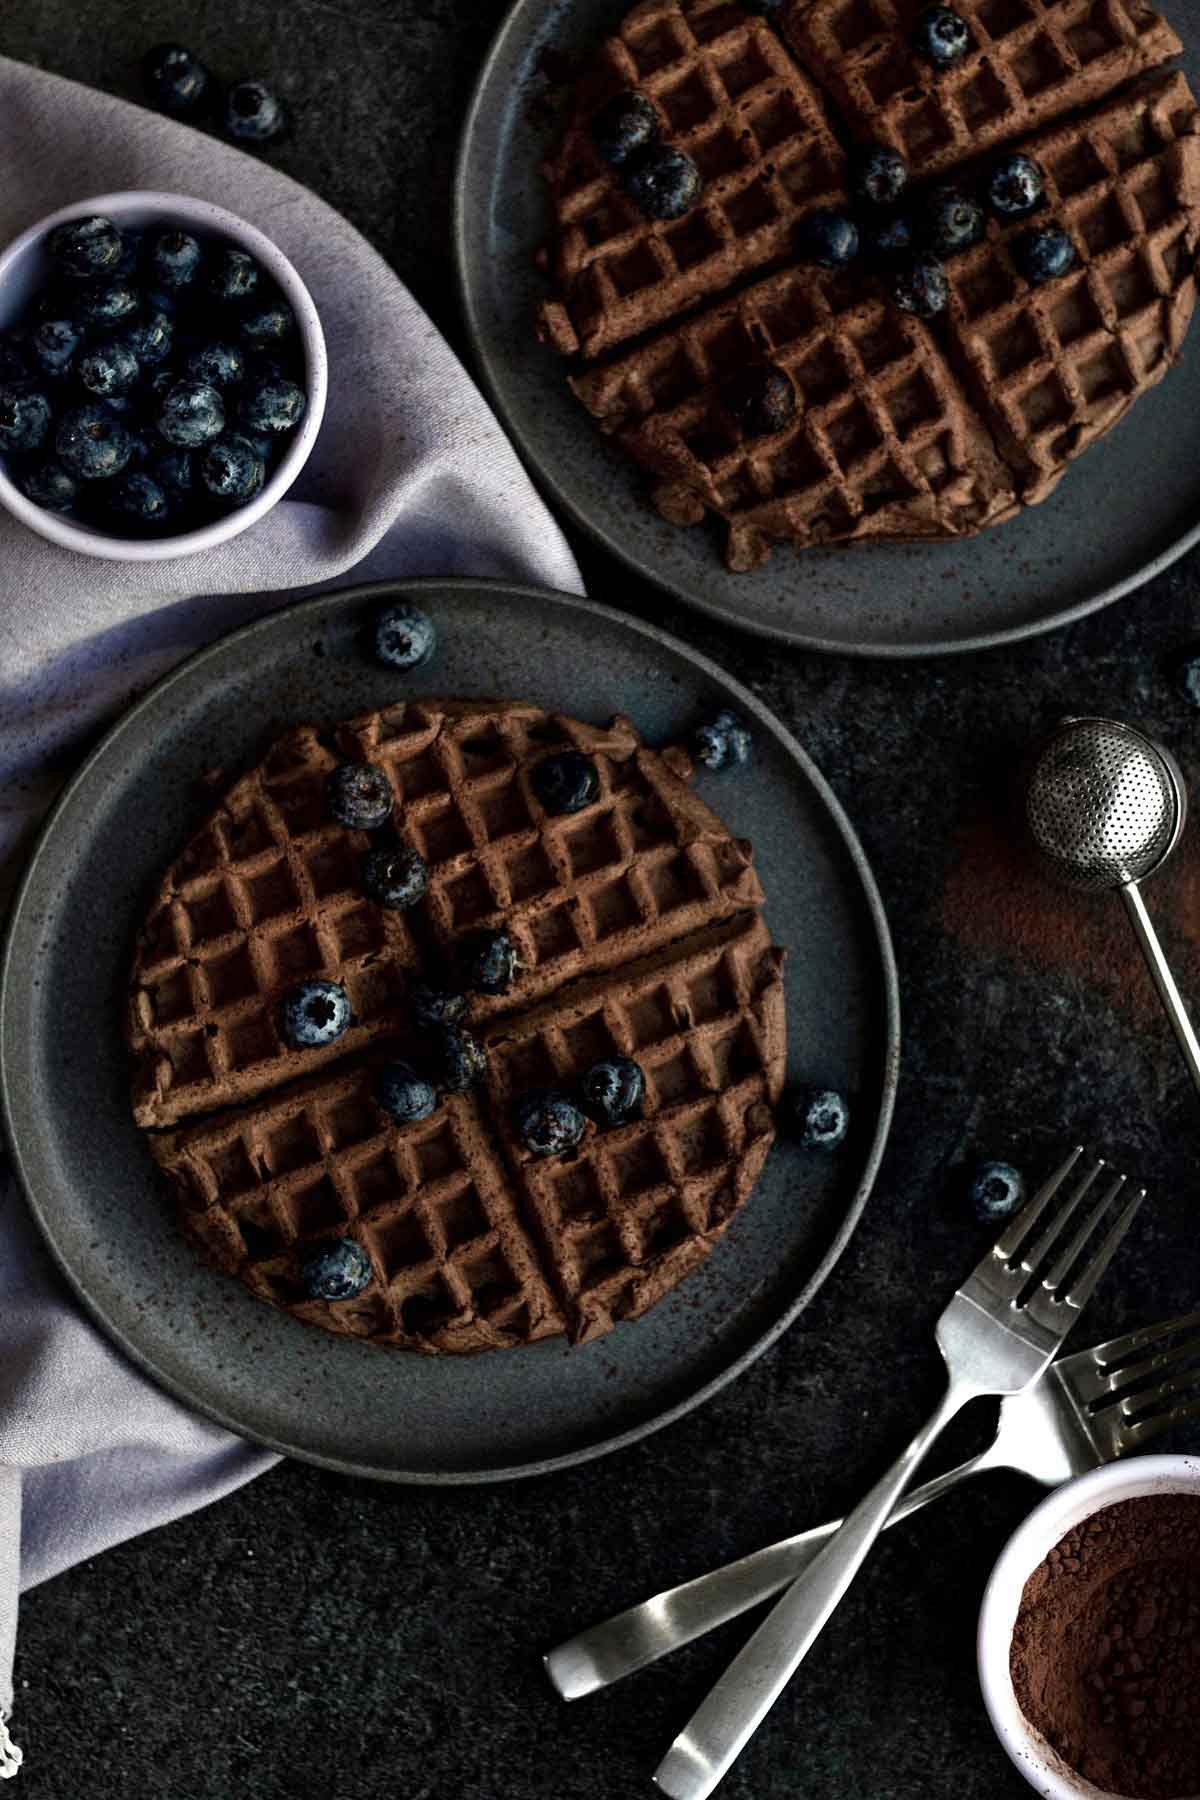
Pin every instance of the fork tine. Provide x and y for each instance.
(1034, 1258)
(1113, 1354)
(1085, 1285)
(1064, 1263)
(1008, 1244)
(1128, 1377)
(1181, 1381)
(1134, 1435)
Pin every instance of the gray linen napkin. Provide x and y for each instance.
(410, 476)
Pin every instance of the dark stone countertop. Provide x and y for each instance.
(321, 1636)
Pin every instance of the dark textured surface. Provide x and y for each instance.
(316, 1636)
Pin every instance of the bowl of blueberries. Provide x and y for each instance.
(162, 376)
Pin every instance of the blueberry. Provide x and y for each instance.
(394, 877)
(24, 420)
(404, 1095)
(459, 1058)
(662, 182)
(1187, 676)
(722, 743)
(173, 260)
(761, 399)
(434, 1005)
(130, 260)
(941, 37)
(1015, 185)
(360, 796)
(996, 1191)
(315, 1013)
(272, 404)
(918, 285)
(150, 336)
(231, 469)
(1043, 255)
(107, 303)
(566, 782)
(175, 79)
(489, 961)
(887, 236)
(819, 1117)
(404, 636)
(623, 126)
(950, 221)
(108, 368)
(135, 498)
(880, 175)
(143, 439)
(53, 345)
(253, 114)
(266, 322)
(827, 237)
(232, 275)
(85, 248)
(613, 1090)
(548, 1124)
(48, 484)
(338, 1270)
(191, 414)
(221, 365)
(92, 443)
(174, 471)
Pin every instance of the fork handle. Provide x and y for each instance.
(1162, 977)
(719, 1731)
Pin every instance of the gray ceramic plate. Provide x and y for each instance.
(92, 1185)
(1125, 510)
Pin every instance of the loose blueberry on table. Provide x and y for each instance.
(360, 796)
(723, 742)
(818, 1117)
(996, 1191)
(175, 80)
(254, 114)
(394, 877)
(548, 1123)
(403, 1095)
(404, 636)
(314, 1014)
(337, 1270)
(613, 1090)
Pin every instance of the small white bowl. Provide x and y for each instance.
(1066, 1507)
(24, 270)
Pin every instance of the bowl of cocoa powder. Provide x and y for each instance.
(1089, 1636)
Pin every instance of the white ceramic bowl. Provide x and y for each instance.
(24, 269)
(1066, 1507)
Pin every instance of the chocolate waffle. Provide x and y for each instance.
(726, 92)
(884, 443)
(1032, 61)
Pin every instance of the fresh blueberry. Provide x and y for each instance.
(488, 960)
(548, 1124)
(613, 1090)
(135, 498)
(48, 484)
(231, 469)
(394, 877)
(950, 221)
(173, 260)
(266, 322)
(221, 365)
(253, 114)
(996, 1191)
(337, 1270)
(762, 399)
(191, 415)
(880, 175)
(315, 1013)
(918, 285)
(106, 303)
(150, 336)
(566, 782)
(886, 236)
(144, 441)
(1043, 255)
(662, 182)
(1015, 185)
(24, 420)
(53, 345)
(941, 37)
(819, 1117)
(273, 404)
(459, 1058)
(232, 275)
(130, 260)
(107, 369)
(174, 471)
(92, 443)
(360, 796)
(433, 1005)
(404, 1095)
(86, 248)
(723, 742)
(404, 636)
(175, 79)
(623, 126)
(827, 237)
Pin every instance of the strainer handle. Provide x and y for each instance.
(1163, 979)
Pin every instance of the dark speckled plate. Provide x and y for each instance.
(1125, 510)
(97, 1196)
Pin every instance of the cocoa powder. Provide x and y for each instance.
(1105, 1656)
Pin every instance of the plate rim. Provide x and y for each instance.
(11, 1020)
(546, 481)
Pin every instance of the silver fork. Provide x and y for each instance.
(997, 1336)
(1087, 1409)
